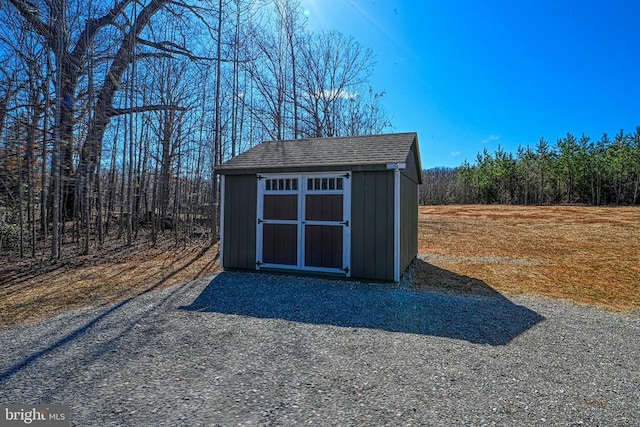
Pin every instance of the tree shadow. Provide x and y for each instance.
(480, 315)
(114, 310)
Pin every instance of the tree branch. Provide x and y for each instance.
(143, 109)
(31, 12)
(93, 25)
(173, 48)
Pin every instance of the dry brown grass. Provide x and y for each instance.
(590, 255)
(32, 291)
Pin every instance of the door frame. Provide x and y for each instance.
(302, 192)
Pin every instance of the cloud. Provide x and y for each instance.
(456, 153)
(491, 138)
(334, 94)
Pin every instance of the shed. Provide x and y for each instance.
(344, 205)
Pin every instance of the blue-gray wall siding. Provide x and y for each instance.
(240, 216)
(408, 221)
(372, 225)
(411, 170)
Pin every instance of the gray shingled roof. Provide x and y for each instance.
(338, 151)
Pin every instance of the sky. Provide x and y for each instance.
(470, 75)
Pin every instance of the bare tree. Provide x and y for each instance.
(111, 112)
(334, 69)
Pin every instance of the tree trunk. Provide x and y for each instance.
(217, 131)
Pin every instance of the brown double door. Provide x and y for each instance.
(303, 222)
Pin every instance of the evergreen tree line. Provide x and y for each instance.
(114, 114)
(573, 171)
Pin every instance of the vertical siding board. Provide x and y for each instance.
(411, 170)
(357, 224)
(228, 209)
(370, 217)
(372, 225)
(248, 204)
(240, 220)
(381, 249)
(413, 236)
(241, 229)
(409, 222)
(388, 257)
(233, 193)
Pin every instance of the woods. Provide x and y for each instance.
(114, 114)
(573, 171)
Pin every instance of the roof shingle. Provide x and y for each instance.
(337, 151)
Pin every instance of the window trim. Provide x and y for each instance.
(265, 178)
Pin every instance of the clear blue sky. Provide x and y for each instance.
(473, 74)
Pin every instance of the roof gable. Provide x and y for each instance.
(314, 152)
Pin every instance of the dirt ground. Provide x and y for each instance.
(589, 255)
(34, 289)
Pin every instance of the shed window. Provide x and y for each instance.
(281, 184)
(319, 184)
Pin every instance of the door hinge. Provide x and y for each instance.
(260, 177)
(260, 221)
(345, 223)
(258, 263)
(346, 175)
(346, 269)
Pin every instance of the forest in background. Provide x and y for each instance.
(572, 171)
(114, 114)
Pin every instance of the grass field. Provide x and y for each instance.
(590, 255)
(585, 254)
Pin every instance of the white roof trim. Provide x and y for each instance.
(396, 165)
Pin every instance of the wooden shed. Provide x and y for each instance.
(346, 206)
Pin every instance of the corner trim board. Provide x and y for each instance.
(221, 246)
(396, 224)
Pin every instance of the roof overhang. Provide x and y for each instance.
(303, 168)
(396, 165)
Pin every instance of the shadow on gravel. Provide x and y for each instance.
(489, 318)
(97, 348)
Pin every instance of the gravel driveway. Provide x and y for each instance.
(258, 349)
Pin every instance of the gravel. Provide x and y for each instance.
(260, 349)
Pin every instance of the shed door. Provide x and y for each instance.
(325, 223)
(303, 222)
(278, 223)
